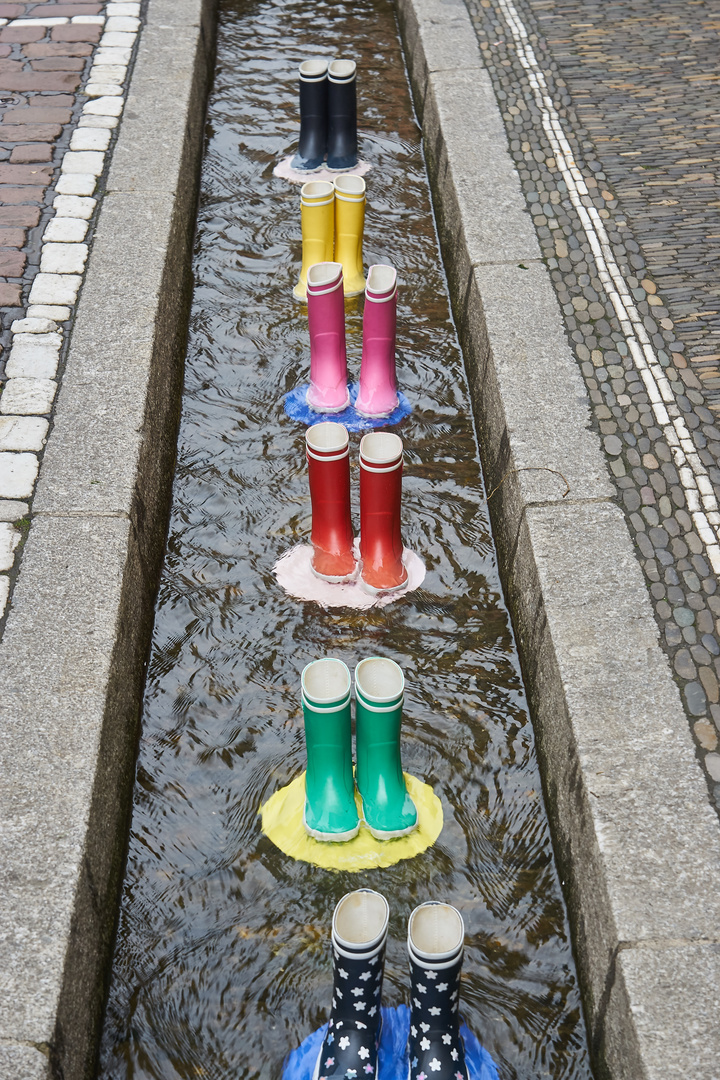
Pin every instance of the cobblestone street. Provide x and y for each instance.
(635, 89)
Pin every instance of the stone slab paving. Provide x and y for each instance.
(611, 115)
(62, 71)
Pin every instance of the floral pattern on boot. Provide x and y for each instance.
(350, 1046)
(435, 1045)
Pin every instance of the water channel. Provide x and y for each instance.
(222, 962)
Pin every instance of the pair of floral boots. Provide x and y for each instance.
(436, 934)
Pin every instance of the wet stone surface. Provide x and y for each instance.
(635, 86)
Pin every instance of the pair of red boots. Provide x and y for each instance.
(328, 390)
(381, 549)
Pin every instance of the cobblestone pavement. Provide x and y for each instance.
(613, 118)
(62, 69)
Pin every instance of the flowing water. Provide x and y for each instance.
(222, 962)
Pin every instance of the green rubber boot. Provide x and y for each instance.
(330, 812)
(387, 808)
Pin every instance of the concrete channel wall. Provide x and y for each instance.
(73, 656)
(636, 840)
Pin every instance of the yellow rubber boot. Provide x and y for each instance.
(317, 218)
(349, 225)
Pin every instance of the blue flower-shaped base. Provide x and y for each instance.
(392, 1060)
(297, 408)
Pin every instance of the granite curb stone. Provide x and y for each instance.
(60, 688)
(73, 655)
(23, 1062)
(686, 970)
(637, 842)
(479, 174)
(542, 401)
(103, 395)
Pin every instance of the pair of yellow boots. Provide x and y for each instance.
(333, 219)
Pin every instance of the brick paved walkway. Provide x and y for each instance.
(634, 89)
(62, 70)
(41, 68)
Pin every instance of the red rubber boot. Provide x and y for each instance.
(328, 458)
(381, 548)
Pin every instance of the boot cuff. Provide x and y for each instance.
(342, 71)
(360, 923)
(436, 934)
(313, 70)
(349, 188)
(381, 448)
(325, 682)
(324, 277)
(381, 282)
(379, 680)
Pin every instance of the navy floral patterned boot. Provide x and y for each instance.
(359, 933)
(436, 936)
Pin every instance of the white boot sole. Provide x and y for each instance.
(322, 410)
(376, 415)
(379, 592)
(331, 838)
(335, 579)
(393, 835)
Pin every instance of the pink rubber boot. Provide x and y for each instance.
(328, 392)
(378, 387)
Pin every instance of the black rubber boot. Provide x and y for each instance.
(312, 146)
(435, 946)
(342, 150)
(359, 933)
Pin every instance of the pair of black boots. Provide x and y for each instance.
(328, 116)
(435, 949)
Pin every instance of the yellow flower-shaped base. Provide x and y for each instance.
(282, 822)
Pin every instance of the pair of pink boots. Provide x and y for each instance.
(328, 391)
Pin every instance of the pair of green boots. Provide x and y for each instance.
(330, 809)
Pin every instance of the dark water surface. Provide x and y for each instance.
(222, 962)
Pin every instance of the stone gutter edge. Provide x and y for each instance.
(636, 841)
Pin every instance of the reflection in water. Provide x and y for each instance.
(222, 962)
